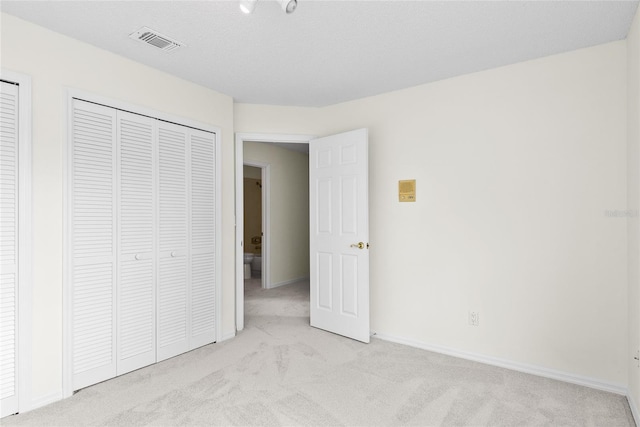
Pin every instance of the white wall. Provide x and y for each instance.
(289, 215)
(56, 62)
(633, 195)
(515, 168)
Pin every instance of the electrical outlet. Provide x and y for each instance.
(474, 318)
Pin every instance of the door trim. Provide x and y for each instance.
(25, 238)
(67, 322)
(240, 139)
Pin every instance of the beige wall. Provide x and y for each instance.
(289, 214)
(252, 208)
(633, 178)
(252, 172)
(515, 168)
(56, 62)
(252, 212)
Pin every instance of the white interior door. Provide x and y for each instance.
(339, 234)
(202, 212)
(136, 288)
(92, 243)
(173, 274)
(8, 248)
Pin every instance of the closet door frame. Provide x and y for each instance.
(25, 236)
(70, 95)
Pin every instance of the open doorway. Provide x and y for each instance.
(284, 242)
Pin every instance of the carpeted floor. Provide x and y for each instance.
(280, 371)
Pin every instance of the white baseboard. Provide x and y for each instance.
(634, 408)
(227, 336)
(509, 364)
(45, 400)
(287, 282)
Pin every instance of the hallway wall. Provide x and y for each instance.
(252, 211)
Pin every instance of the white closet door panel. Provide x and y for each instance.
(8, 248)
(172, 308)
(8, 329)
(173, 275)
(136, 260)
(173, 188)
(202, 300)
(202, 232)
(93, 242)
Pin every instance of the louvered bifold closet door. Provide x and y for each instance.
(173, 271)
(8, 247)
(202, 232)
(93, 243)
(136, 245)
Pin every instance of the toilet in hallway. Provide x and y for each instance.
(248, 260)
(256, 266)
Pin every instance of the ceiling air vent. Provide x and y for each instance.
(154, 38)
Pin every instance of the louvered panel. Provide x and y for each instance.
(172, 189)
(202, 191)
(136, 184)
(8, 248)
(93, 177)
(137, 309)
(202, 299)
(93, 319)
(93, 181)
(8, 317)
(172, 307)
(173, 279)
(202, 266)
(8, 175)
(136, 214)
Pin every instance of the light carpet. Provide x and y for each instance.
(280, 371)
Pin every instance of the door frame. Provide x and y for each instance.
(67, 321)
(240, 139)
(265, 171)
(25, 238)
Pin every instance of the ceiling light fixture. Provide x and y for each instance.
(247, 6)
(288, 5)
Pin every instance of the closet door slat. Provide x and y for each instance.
(136, 243)
(8, 247)
(93, 243)
(173, 274)
(202, 232)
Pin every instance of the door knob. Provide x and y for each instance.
(359, 245)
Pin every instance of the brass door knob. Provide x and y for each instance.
(359, 245)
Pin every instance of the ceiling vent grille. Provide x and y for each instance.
(154, 38)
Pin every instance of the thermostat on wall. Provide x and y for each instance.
(407, 190)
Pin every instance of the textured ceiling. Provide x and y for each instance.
(332, 51)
